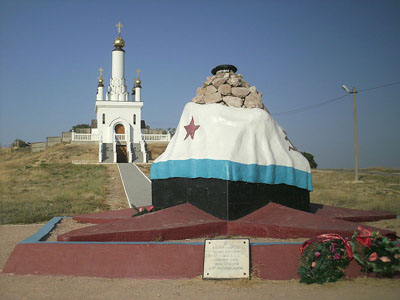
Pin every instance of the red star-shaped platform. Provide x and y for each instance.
(185, 221)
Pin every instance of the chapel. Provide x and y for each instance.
(118, 113)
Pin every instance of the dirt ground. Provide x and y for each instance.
(115, 194)
(67, 287)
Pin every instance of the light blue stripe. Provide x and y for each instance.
(43, 231)
(228, 170)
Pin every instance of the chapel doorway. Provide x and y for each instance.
(122, 154)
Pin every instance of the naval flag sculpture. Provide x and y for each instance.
(228, 156)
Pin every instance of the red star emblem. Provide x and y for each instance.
(190, 129)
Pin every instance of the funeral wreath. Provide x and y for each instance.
(375, 253)
(324, 259)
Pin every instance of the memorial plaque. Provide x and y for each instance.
(226, 259)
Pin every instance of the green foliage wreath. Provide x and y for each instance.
(323, 259)
(375, 253)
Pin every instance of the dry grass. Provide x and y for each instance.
(145, 168)
(156, 149)
(37, 186)
(382, 169)
(34, 187)
(373, 192)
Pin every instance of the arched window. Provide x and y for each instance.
(134, 119)
(104, 119)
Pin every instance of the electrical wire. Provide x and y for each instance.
(379, 87)
(310, 107)
(305, 108)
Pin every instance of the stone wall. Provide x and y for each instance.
(66, 137)
(83, 130)
(54, 140)
(37, 147)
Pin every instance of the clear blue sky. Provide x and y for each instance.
(297, 53)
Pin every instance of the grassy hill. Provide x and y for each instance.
(34, 187)
(373, 192)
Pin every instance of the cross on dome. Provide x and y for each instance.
(119, 26)
(101, 72)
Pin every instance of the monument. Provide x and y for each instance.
(229, 157)
(227, 164)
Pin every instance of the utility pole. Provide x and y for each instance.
(354, 92)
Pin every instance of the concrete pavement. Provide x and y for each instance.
(137, 186)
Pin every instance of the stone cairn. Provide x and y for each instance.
(228, 88)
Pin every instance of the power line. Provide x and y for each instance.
(305, 108)
(310, 107)
(379, 87)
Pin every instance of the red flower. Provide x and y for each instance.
(373, 257)
(317, 254)
(364, 236)
(337, 256)
(396, 256)
(150, 208)
(313, 264)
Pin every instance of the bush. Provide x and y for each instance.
(79, 126)
(310, 159)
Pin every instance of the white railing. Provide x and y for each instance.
(148, 137)
(85, 137)
(121, 137)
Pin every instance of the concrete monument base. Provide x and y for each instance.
(123, 248)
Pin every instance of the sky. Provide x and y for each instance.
(297, 53)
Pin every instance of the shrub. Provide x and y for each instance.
(310, 159)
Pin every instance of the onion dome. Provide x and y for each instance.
(138, 83)
(119, 42)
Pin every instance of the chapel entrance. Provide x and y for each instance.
(122, 153)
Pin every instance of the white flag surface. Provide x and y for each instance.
(237, 144)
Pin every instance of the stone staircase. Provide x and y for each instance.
(108, 155)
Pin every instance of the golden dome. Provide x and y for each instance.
(138, 82)
(119, 42)
(101, 80)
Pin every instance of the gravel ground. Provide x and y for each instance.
(67, 287)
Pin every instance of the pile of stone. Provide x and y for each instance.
(229, 89)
